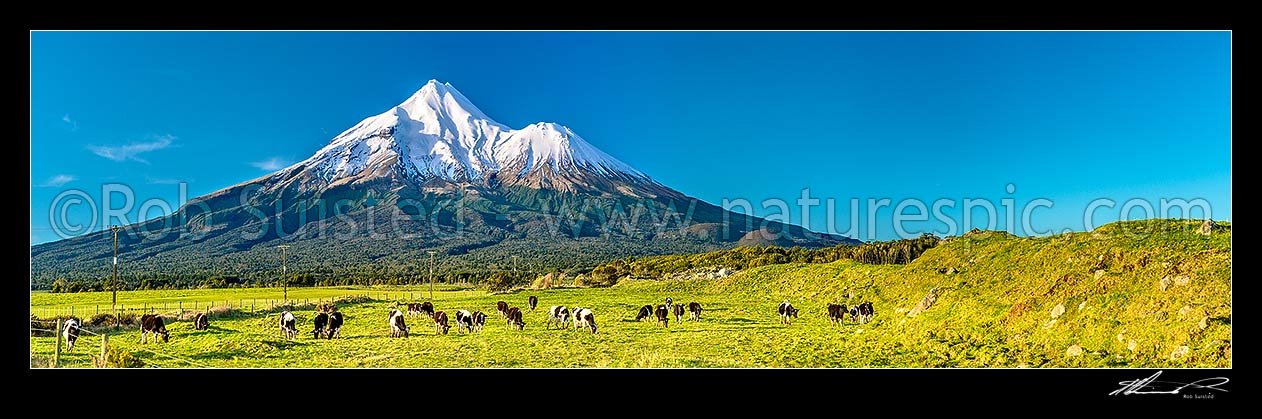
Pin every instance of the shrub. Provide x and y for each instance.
(220, 311)
(101, 319)
(118, 358)
(326, 307)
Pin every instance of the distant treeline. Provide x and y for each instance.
(498, 280)
(888, 252)
(606, 274)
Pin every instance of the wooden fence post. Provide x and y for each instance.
(57, 334)
(105, 341)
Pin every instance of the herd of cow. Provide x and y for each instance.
(329, 325)
(663, 312)
(469, 322)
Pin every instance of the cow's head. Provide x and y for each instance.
(593, 327)
(166, 337)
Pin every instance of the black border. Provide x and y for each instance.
(715, 390)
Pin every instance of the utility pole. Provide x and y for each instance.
(284, 272)
(431, 274)
(114, 286)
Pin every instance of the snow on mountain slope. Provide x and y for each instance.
(439, 133)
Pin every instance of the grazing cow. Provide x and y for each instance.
(417, 309)
(574, 316)
(502, 307)
(335, 325)
(464, 321)
(514, 318)
(584, 318)
(71, 331)
(440, 323)
(479, 319)
(321, 321)
(866, 312)
(694, 310)
(152, 324)
(558, 314)
(837, 313)
(663, 316)
(534, 301)
(679, 313)
(645, 313)
(787, 312)
(201, 322)
(398, 328)
(287, 325)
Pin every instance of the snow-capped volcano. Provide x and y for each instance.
(437, 133)
(433, 173)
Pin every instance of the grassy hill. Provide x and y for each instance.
(1158, 283)
(996, 308)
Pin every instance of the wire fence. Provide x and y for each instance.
(244, 305)
(90, 346)
(89, 351)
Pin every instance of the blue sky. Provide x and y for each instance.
(1066, 116)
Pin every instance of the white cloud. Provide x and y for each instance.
(272, 164)
(133, 150)
(161, 181)
(58, 180)
(74, 125)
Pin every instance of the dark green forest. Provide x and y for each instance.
(508, 266)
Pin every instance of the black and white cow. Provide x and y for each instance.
(669, 303)
(335, 325)
(837, 313)
(787, 312)
(201, 322)
(464, 321)
(866, 312)
(679, 313)
(534, 301)
(152, 324)
(574, 316)
(585, 318)
(321, 322)
(417, 309)
(558, 315)
(398, 327)
(854, 313)
(514, 318)
(694, 310)
(645, 313)
(440, 323)
(663, 316)
(288, 324)
(502, 307)
(479, 320)
(71, 332)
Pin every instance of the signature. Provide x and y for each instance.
(1150, 385)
